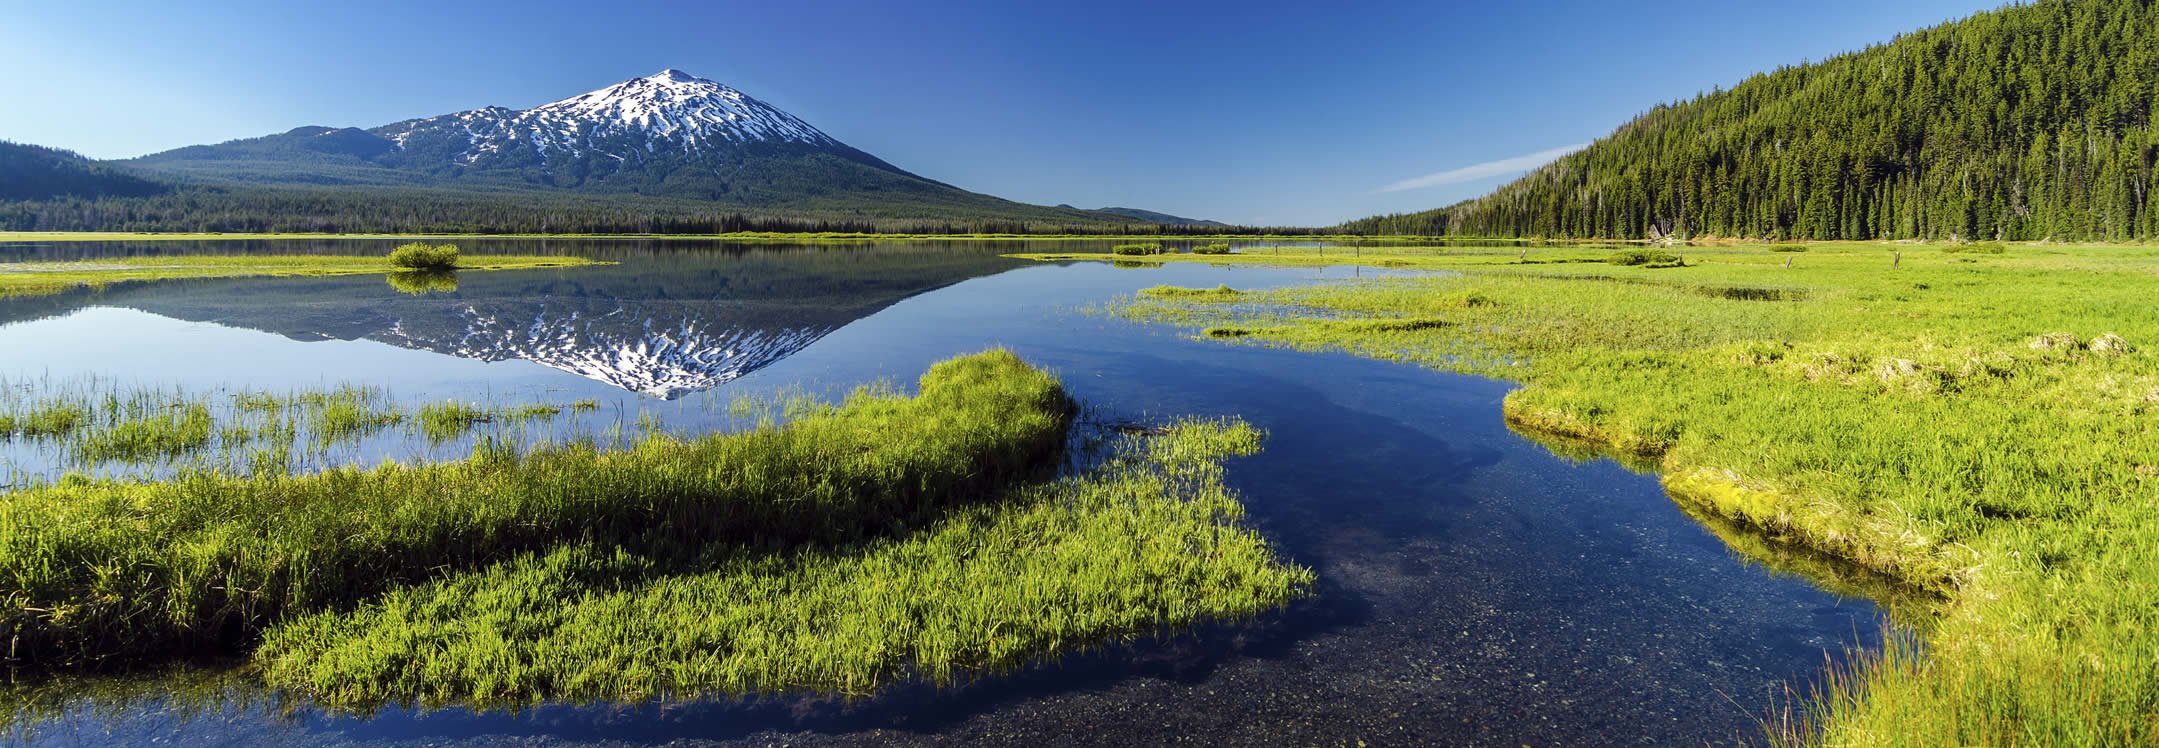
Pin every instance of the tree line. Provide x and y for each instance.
(233, 210)
(2029, 122)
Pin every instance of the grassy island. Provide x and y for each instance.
(857, 543)
(1981, 424)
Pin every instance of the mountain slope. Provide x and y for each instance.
(670, 135)
(2029, 122)
(1153, 217)
(29, 172)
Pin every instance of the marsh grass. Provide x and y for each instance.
(100, 570)
(1148, 539)
(1938, 419)
(1136, 249)
(1218, 293)
(833, 547)
(43, 420)
(184, 428)
(103, 427)
(532, 412)
(348, 412)
(448, 420)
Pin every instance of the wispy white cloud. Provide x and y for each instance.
(1487, 169)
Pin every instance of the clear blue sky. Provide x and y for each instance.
(1251, 112)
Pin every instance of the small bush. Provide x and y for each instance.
(1643, 256)
(1137, 249)
(1788, 248)
(1211, 249)
(1977, 248)
(423, 256)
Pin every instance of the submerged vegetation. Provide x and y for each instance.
(85, 426)
(928, 533)
(1976, 427)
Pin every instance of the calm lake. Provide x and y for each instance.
(1475, 588)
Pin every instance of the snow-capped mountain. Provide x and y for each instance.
(667, 134)
(670, 135)
(670, 114)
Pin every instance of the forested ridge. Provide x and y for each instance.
(392, 210)
(30, 172)
(2025, 123)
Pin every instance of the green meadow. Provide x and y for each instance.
(1976, 424)
(832, 548)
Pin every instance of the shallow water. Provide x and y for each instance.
(1474, 588)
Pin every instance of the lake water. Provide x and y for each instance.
(1474, 587)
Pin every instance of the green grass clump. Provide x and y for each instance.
(1787, 247)
(1218, 293)
(1981, 433)
(532, 412)
(1976, 248)
(96, 570)
(43, 420)
(185, 429)
(451, 419)
(1150, 539)
(1643, 256)
(347, 412)
(1137, 249)
(1211, 249)
(422, 256)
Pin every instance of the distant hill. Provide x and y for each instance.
(670, 136)
(2029, 122)
(29, 172)
(1153, 217)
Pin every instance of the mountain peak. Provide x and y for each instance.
(672, 74)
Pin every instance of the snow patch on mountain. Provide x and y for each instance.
(670, 110)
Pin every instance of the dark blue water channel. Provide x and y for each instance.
(1474, 587)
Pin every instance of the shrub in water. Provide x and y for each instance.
(1137, 249)
(422, 256)
(1211, 249)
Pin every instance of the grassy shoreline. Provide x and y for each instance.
(1976, 425)
(40, 278)
(880, 538)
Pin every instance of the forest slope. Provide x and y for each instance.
(2030, 122)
